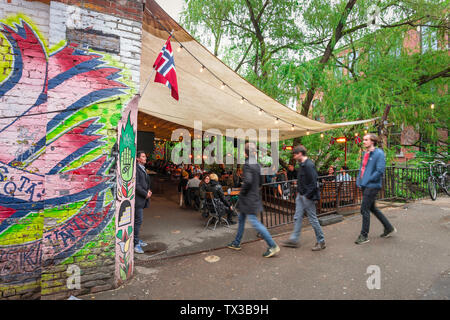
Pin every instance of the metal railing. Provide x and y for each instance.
(339, 193)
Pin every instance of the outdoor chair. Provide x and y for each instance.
(216, 210)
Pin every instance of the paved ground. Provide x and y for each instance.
(413, 264)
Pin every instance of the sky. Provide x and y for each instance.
(172, 7)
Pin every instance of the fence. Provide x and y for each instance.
(339, 193)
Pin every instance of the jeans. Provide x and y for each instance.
(303, 204)
(368, 205)
(257, 225)
(138, 217)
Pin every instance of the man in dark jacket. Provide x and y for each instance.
(369, 180)
(250, 203)
(143, 194)
(307, 193)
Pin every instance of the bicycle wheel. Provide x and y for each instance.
(432, 188)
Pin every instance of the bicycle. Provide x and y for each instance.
(442, 180)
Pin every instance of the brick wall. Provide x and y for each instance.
(67, 71)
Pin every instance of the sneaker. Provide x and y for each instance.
(138, 249)
(271, 251)
(361, 239)
(142, 243)
(387, 234)
(319, 246)
(290, 243)
(234, 246)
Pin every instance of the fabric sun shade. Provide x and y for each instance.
(201, 97)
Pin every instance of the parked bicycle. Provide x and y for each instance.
(440, 180)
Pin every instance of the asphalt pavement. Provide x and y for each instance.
(412, 264)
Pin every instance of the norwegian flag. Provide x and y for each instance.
(165, 69)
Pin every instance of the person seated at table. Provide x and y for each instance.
(182, 188)
(237, 178)
(283, 187)
(217, 191)
(204, 185)
(343, 175)
(331, 174)
(291, 173)
(193, 192)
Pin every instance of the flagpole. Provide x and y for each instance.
(148, 80)
(151, 74)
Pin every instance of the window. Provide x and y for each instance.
(394, 140)
(353, 57)
(428, 39)
(338, 68)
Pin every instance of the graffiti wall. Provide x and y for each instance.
(60, 108)
(126, 173)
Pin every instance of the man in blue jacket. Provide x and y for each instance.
(369, 180)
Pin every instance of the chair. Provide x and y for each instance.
(216, 210)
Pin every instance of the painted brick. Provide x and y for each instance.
(96, 262)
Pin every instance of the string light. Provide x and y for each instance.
(307, 132)
(365, 131)
(276, 121)
(223, 85)
(432, 106)
(356, 134)
(321, 135)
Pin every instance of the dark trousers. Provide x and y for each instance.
(367, 206)
(138, 218)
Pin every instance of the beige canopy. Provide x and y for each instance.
(200, 95)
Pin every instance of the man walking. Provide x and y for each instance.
(369, 180)
(307, 193)
(143, 195)
(250, 203)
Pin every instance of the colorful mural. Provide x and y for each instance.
(55, 149)
(126, 173)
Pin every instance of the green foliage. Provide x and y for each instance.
(290, 50)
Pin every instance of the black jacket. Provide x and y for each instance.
(217, 191)
(142, 187)
(250, 197)
(307, 180)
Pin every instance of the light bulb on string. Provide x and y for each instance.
(292, 127)
(260, 112)
(222, 86)
(276, 121)
(307, 132)
(179, 48)
(202, 68)
(242, 100)
(321, 135)
(432, 106)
